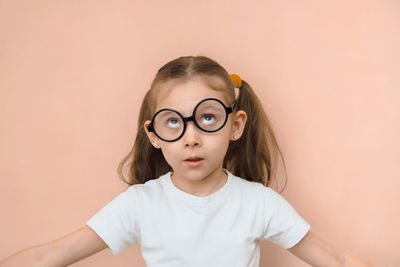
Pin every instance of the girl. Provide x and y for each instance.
(199, 173)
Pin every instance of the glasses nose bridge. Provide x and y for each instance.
(190, 118)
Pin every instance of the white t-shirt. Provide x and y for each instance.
(178, 229)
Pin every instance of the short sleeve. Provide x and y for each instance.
(283, 225)
(117, 222)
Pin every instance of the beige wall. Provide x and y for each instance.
(73, 74)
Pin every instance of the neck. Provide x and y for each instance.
(203, 187)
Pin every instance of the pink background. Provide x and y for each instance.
(73, 75)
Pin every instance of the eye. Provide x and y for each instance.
(209, 118)
(174, 122)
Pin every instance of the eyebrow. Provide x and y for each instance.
(211, 106)
(166, 113)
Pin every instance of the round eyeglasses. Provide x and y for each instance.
(209, 115)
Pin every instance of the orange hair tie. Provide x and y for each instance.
(237, 82)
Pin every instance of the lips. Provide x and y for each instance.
(194, 162)
(193, 158)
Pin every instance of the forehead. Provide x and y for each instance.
(183, 96)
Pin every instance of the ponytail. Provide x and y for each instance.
(255, 155)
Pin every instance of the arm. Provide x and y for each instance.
(61, 252)
(313, 250)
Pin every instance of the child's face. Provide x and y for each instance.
(211, 146)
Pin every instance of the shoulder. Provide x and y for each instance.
(249, 190)
(260, 192)
(248, 185)
(150, 189)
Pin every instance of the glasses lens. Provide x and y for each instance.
(210, 116)
(168, 125)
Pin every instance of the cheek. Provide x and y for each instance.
(169, 153)
(219, 146)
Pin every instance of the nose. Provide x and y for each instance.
(192, 134)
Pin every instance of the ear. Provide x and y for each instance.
(152, 137)
(238, 124)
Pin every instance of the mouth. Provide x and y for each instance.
(194, 161)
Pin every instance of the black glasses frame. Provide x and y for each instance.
(228, 110)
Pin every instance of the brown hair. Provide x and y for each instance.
(253, 157)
